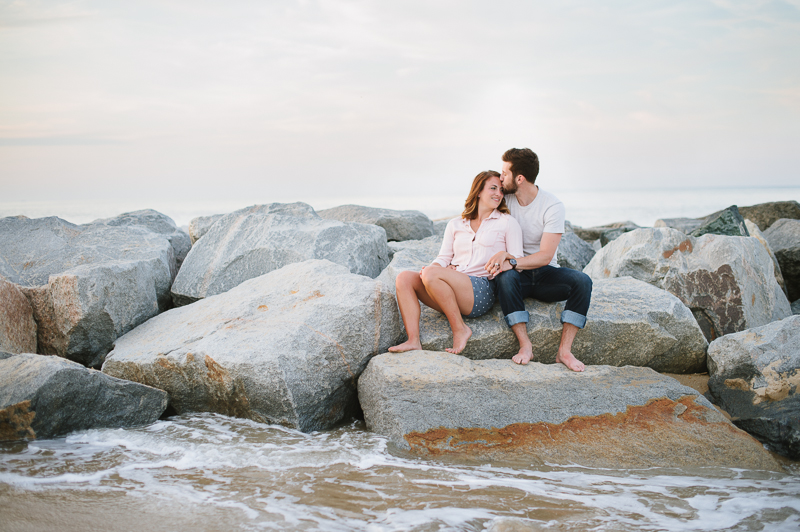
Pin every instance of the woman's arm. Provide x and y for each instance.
(446, 252)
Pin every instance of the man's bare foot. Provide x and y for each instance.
(408, 345)
(569, 360)
(460, 340)
(524, 356)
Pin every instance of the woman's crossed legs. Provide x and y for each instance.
(442, 289)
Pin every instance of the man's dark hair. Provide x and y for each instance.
(523, 161)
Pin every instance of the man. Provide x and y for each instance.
(537, 275)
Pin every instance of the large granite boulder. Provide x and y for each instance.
(629, 323)
(727, 281)
(200, 225)
(87, 284)
(784, 239)
(574, 252)
(285, 347)
(766, 214)
(46, 396)
(726, 222)
(157, 223)
(259, 239)
(684, 225)
(399, 225)
(409, 255)
(755, 377)
(435, 404)
(17, 326)
(756, 233)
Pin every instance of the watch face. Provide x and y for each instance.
(513, 263)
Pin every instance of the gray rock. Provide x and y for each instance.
(87, 284)
(629, 323)
(612, 231)
(436, 404)
(17, 326)
(399, 225)
(285, 347)
(200, 226)
(157, 223)
(754, 375)
(573, 252)
(439, 227)
(727, 222)
(784, 239)
(259, 239)
(756, 233)
(728, 282)
(684, 225)
(45, 397)
(5, 354)
(796, 307)
(766, 214)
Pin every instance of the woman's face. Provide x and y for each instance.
(492, 193)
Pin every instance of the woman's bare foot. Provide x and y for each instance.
(408, 345)
(460, 340)
(524, 356)
(569, 360)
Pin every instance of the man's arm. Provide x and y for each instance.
(547, 248)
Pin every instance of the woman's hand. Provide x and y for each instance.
(496, 265)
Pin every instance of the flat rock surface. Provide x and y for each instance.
(433, 404)
(285, 347)
(262, 238)
(399, 225)
(629, 323)
(755, 376)
(45, 396)
(17, 326)
(784, 239)
(87, 284)
(727, 281)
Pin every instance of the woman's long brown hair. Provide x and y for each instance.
(471, 205)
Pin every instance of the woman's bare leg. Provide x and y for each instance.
(410, 291)
(452, 292)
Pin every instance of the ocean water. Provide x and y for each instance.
(211, 472)
(584, 207)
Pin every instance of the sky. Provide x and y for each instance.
(295, 100)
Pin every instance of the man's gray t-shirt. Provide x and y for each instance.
(545, 214)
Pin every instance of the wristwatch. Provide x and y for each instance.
(513, 263)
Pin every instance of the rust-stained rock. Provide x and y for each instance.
(727, 281)
(435, 404)
(47, 396)
(285, 347)
(17, 326)
(755, 377)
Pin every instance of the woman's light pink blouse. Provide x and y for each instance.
(470, 251)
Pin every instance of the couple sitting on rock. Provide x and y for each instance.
(504, 247)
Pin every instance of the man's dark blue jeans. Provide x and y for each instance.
(548, 284)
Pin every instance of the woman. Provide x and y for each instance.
(456, 283)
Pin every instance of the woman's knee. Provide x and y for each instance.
(430, 273)
(405, 279)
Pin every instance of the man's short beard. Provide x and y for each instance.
(510, 189)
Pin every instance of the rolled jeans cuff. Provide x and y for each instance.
(578, 320)
(520, 316)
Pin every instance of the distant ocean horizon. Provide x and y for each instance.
(584, 207)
